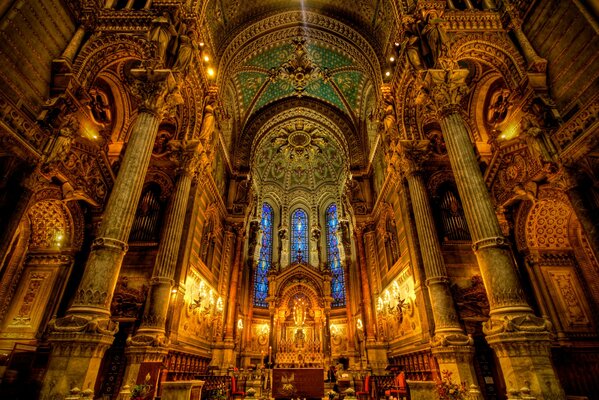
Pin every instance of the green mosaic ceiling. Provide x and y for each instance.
(257, 86)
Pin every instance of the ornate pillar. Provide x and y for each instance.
(451, 346)
(149, 343)
(365, 285)
(80, 339)
(230, 323)
(520, 340)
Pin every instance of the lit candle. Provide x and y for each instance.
(269, 354)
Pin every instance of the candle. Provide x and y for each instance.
(269, 354)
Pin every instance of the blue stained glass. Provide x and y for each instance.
(299, 236)
(334, 259)
(264, 262)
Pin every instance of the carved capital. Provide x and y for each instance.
(444, 89)
(527, 323)
(189, 154)
(83, 324)
(413, 154)
(156, 90)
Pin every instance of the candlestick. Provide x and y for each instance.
(269, 355)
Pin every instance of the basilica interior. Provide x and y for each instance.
(226, 188)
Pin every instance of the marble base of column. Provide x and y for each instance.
(152, 329)
(136, 356)
(228, 359)
(377, 357)
(525, 358)
(457, 359)
(75, 360)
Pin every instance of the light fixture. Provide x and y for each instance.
(392, 305)
(206, 58)
(240, 324)
(210, 72)
(392, 59)
(388, 73)
(359, 324)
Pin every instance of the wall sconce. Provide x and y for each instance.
(197, 303)
(219, 305)
(334, 329)
(359, 324)
(392, 304)
(239, 324)
(265, 329)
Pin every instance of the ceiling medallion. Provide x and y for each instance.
(299, 70)
(299, 143)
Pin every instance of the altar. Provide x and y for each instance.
(293, 383)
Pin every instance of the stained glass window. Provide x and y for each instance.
(264, 262)
(299, 236)
(334, 259)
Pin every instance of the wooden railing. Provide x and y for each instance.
(185, 366)
(418, 366)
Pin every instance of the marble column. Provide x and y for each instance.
(80, 339)
(451, 346)
(520, 340)
(149, 344)
(365, 286)
(228, 358)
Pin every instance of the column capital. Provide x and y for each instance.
(156, 90)
(413, 154)
(444, 89)
(189, 154)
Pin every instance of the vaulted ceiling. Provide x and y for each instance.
(299, 80)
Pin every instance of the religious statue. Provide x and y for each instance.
(62, 144)
(208, 121)
(160, 33)
(389, 119)
(185, 52)
(436, 38)
(411, 48)
(536, 139)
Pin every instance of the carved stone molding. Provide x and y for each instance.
(156, 91)
(445, 89)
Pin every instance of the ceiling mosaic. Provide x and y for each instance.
(299, 155)
(300, 68)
